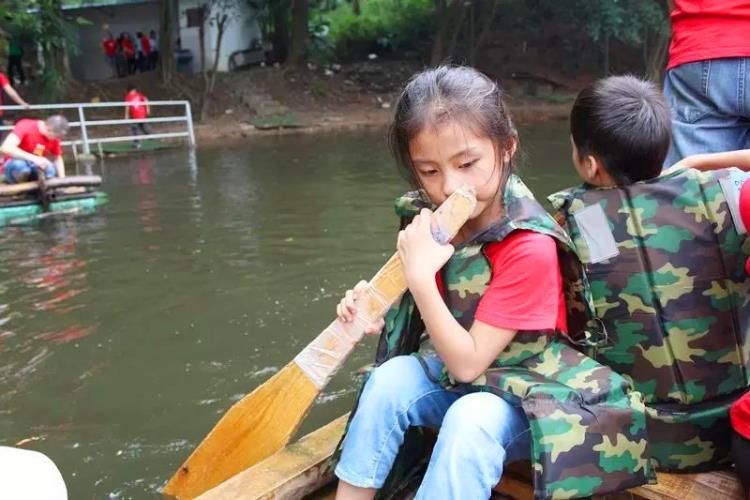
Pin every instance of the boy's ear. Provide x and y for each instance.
(592, 167)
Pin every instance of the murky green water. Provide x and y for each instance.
(125, 334)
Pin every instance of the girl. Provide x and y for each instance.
(452, 128)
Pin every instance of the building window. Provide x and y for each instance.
(194, 17)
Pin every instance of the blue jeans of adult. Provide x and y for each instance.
(21, 171)
(478, 431)
(710, 102)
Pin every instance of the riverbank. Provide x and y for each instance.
(260, 101)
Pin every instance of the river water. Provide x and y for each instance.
(126, 333)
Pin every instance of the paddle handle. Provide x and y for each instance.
(321, 359)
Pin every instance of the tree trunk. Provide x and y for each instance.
(208, 91)
(280, 36)
(356, 8)
(455, 30)
(657, 60)
(486, 26)
(605, 49)
(166, 40)
(441, 25)
(448, 20)
(300, 21)
(204, 69)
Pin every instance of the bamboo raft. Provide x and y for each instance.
(26, 201)
(300, 469)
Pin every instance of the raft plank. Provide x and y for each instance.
(718, 485)
(299, 469)
(295, 471)
(21, 187)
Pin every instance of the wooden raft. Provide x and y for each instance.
(301, 469)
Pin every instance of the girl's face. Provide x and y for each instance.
(450, 155)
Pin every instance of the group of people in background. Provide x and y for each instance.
(32, 150)
(128, 54)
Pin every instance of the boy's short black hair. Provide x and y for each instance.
(626, 123)
(129, 87)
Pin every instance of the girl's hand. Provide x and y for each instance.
(421, 256)
(346, 310)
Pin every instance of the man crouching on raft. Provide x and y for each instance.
(29, 146)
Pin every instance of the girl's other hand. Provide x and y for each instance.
(421, 256)
(346, 310)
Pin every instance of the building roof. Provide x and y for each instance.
(84, 4)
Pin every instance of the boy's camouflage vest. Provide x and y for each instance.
(666, 266)
(588, 426)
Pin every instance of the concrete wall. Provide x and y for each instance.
(241, 29)
(89, 63)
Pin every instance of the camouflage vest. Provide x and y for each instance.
(666, 265)
(588, 427)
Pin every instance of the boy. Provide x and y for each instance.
(137, 109)
(28, 147)
(664, 258)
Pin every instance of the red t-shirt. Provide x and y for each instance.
(137, 108)
(525, 292)
(32, 141)
(110, 46)
(145, 45)
(128, 49)
(3, 82)
(709, 29)
(744, 203)
(739, 416)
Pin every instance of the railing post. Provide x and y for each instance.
(84, 134)
(189, 118)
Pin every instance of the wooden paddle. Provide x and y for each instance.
(262, 422)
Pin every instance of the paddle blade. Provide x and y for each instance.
(253, 429)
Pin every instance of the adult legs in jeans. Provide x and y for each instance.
(710, 102)
(23, 171)
(474, 439)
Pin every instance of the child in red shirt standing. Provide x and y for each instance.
(137, 109)
(109, 47)
(145, 55)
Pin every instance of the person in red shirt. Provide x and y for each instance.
(109, 47)
(708, 75)
(137, 109)
(6, 86)
(128, 52)
(145, 52)
(29, 146)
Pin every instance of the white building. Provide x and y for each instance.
(133, 16)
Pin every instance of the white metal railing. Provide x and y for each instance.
(85, 140)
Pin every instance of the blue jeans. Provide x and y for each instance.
(710, 102)
(21, 171)
(479, 432)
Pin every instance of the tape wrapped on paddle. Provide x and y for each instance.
(262, 422)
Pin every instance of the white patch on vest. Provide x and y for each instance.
(594, 228)
(731, 186)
